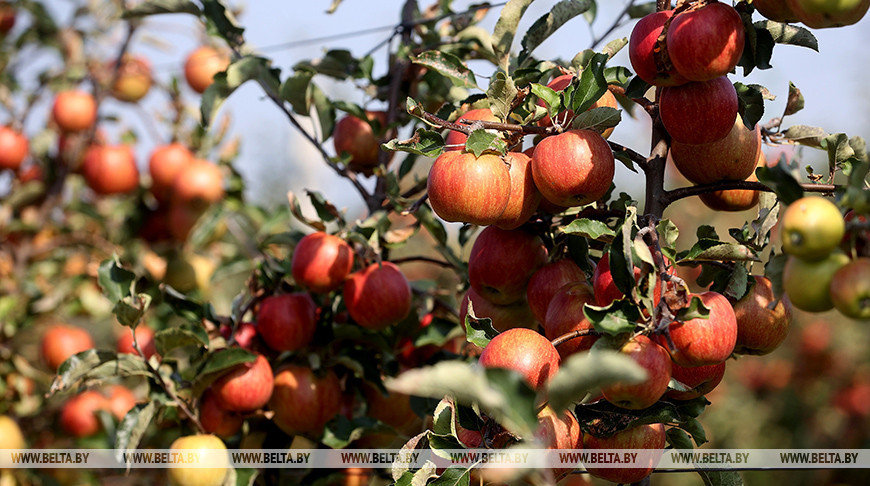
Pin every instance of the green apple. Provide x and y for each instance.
(807, 283)
(812, 227)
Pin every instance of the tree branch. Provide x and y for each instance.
(674, 195)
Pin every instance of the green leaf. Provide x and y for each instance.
(838, 149)
(250, 68)
(795, 101)
(505, 30)
(695, 429)
(427, 143)
(453, 476)
(481, 141)
(778, 178)
(806, 135)
(598, 119)
(620, 316)
(592, 84)
(132, 428)
(336, 63)
(668, 234)
(751, 101)
(245, 476)
(478, 330)
(97, 365)
(590, 229)
(340, 432)
(552, 99)
(225, 359)
(713, 250)
(637, 11)
(156, 7)
(213, 98)
(501, 94)
(549, 23)
(695, 310)
(720, 478)
(220, 22)
(620, 257)
(448, 65)
(129, 310)
(165, 340)
(326, 211)
(679, 439)
(582, 373)
(325, 111)
(116, 281)
(790, 34)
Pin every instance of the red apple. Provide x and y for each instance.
(7, 17)
(647, 436)
(144, 337)
(119, 400)
(656, 361)
(303, 401)
(706, 43)
(74, 111)
(133, 79)
(564, 118)
(547, 281)
(573, 168)
(164, 165)
(61, 341)
(321, 262)
(504, 317)
(110, 169)
(246, 336)
(199, 183)
(700, 342)
(201, 65)
(456, 140)
(378, 296)
(393, 409)
(850, 289)
(524, 196)
(217, 420)
(524, 351)
(733, 199)
(559, 432)
(761, 329)
(642, 51)
(287, 322)
(502, 262)
(246, 387)
(699, 112)
(808, 283)
(701, 379)
(565, 314)
(605, 288)
(776, 10)
(77, 417)
(733, 158)
(822, 14)
(466, 189)
(355, 137)
(14, 148)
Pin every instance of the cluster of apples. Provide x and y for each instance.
(817, 14)
(818, 275)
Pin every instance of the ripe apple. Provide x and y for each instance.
(547, 281)
(377, 296)
(246, 387)
(701, 379)
(822, 14)
(700, 342)
(303, 401)
(393, 409)
(573, 168)
(119, 400)
(199, 183)
(144, 337)
(466, 189)
(776, 10)
(605, 288)
(733, 158)
(217, 420)
(201, 65)
(287, 322)
(77, 416)
(321, 262)
(61, 341)
(564, 118)
(246, 336)
(656, 361)
(808, 283)
(524, 351)
(647, 436)
(7, 17)
(706, 43)
(761, 329)
(858, 237)
(524, 196)
(734, 199)
(811, 228)
(110, 169)
(11, 436)
(642, 51)
(700, 111)
(565, 314)
(850, 289)
(14, 148)
(456, 140)
(559, 432)
(133, 79)
(501, 263)
(74, 111)
(165, 163)
(504, 317)
(210, 450)
(355, 137)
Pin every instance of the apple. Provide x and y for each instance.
(504, 317)
(61, 341)
(165, 163)
(656, 361)
(646, 436)
(559, 432)
(393, 409)
(822, 14)
(565, 314)
(701, 379)
(811, 228)
(356, 476)
(456, 140)
(133, 79)
(605, 288)
(287, 322)
(643, 51)
(7, 17)
(733, 158)
(573, 168)
(547, 281)
(355, 137)
(14, 148)
(564, 118)
(466, 189)
(144, 337)
(303, 402)
(854, 399)
(199, 183)
(74, 111)
(524, 196)
(850, 289)
(77, 416)
(188, 272)
(858, 237)
(11, 436)
(119, 400)
(524, 351)
(217, 420)
(776, 10)
(246, 336)
(706, 43)
(808, 283)
(760, 328)
(700, 342)
(201, 65)
(209, 450)
(700, 111)
(110, 169)
(501, 263)
(245, 387)
(378, 296)
(734, 199)
(321, 262)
